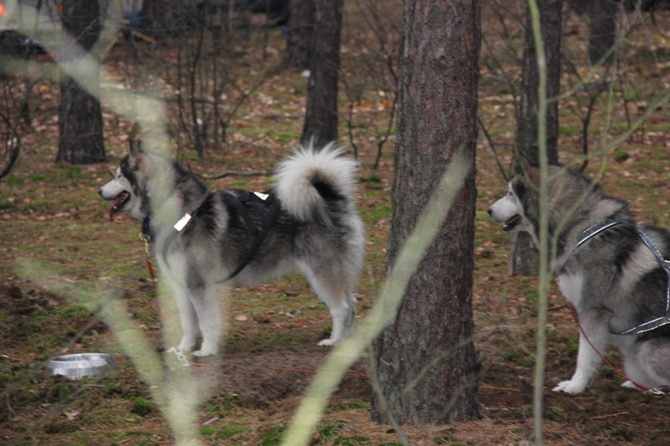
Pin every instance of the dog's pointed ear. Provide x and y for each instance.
(135, 152)
(530, 172)
(134, 147)
(533, 176)
(525, 165)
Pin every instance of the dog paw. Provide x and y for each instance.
(327, 343)
(203, 352)
(569, 387)
(186, 344)
(630, 385)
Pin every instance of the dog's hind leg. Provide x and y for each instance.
(343, 311)
(648, 363)
(337, 295)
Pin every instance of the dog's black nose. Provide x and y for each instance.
(490, 211)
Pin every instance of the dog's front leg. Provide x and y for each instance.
(588, 360)
(206, 304)
(188, 317)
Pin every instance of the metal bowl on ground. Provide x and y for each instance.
(77, 366)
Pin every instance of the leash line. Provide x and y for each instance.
(12, 359)
(147, 258)
(314, 372)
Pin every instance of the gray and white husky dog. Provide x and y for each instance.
(307, 222)
(610, 269)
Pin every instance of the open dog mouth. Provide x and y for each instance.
(118, 204)
(512, 223)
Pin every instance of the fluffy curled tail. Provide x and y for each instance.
(311, 179)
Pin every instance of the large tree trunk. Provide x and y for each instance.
(602, 27)
(525, 258)
(602, 35)
(426, 363)
(321, 117)
(299, 34)
(79, 114)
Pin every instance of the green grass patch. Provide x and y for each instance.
(272, 435)
(223, 433)
(44, 205)
(351, 404)
(376, 213)
(330, 431)
(353, 441)
(141, 407)
(516, 355)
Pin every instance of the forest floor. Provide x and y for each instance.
(60, 256)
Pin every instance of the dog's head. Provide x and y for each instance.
(510, 210)
(127, 191)
(519, 210)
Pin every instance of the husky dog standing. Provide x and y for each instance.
(308, 222)
(611, 270)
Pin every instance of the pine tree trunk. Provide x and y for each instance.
(426, 363)
(321, 118)
(299, 34)
(602, 35)
(79, 114)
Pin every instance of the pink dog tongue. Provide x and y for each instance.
(118, 202)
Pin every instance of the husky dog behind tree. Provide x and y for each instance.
(307, 222)
(610, 269)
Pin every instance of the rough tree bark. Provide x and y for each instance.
(426, 363)
(299, 34)
(602, 27)
(321, 117)
(602, 35)
(79, 114)
(525, 258)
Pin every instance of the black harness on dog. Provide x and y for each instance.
(665, 264)
(239, 200)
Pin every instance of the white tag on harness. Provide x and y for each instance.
(261, 195)
(181, 224)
